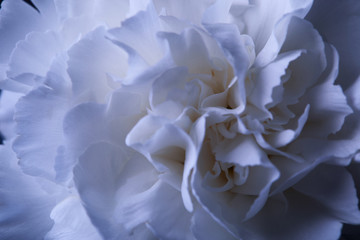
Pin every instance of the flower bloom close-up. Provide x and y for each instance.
(179, 119)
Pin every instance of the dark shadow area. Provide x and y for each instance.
(27, 1)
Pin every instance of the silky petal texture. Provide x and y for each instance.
(8, 101)
(339, 23)
(268, 78)
(203, 226)
(158, 119)
(30, 56)
(93, 129)
(68, 9)
(146, 209)
(88, 82)
(341, 199)
(97, 179)
(102, 204)
(260, 29)
(164, 90)
(24, 213)
(150, 140)
(189, 50)
(30, 21)
(139, 33)
(110, 13)
(299, 217)
(104, 164)
(31, 114)
(110, 122)
(39, 126)
(218, 12)
(235, 52)
(71, 222)
(306, 70)
(352, 96)
(187, 10)
(222, 205)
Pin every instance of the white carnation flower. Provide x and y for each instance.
(156, 119)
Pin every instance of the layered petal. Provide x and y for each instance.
(25, 203)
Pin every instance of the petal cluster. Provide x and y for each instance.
(155, 119)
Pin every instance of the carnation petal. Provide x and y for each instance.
(71, 222)
(306, 70)
(268, 78)
(333, 187)
(338, 22)
(24, 206)
(203, 226)
(259, 23)
(78, 137)
(30, 21)
(153, 134)
(157, 207)
(251, 195)
(39, 125)
(90, 61)
(328, 104)
(233, 47)
(189, 49)
(139, 33)
(303, 218)
(97, 180)
(8, 101)
(186, 10)
(34, 54)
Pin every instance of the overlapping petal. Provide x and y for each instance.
(178, 120)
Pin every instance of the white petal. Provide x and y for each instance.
(353, 96)
(110, 13)
(233, 46)
(204, 227)
(152, 134)
(268, 78)
(282, 138)
(14, 28)
(168, 86)
(187, 10)
(333, 187)
(34, 54)
(260, 18)
(338, 22)
(83, 125)
(244, 201)
(162, 208)
(328, 109)
(218, 12)
(71, 222)
(68, 9)
(343, 145)
(328, 104)
(97, 180)
(90, 60)
(242, 150)
(189, 49)
(7, 105)
(139, 33)
(306, 70)
(24, 206)
(39, 125)
(303, 219)
(291, 172)
(136, 6)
